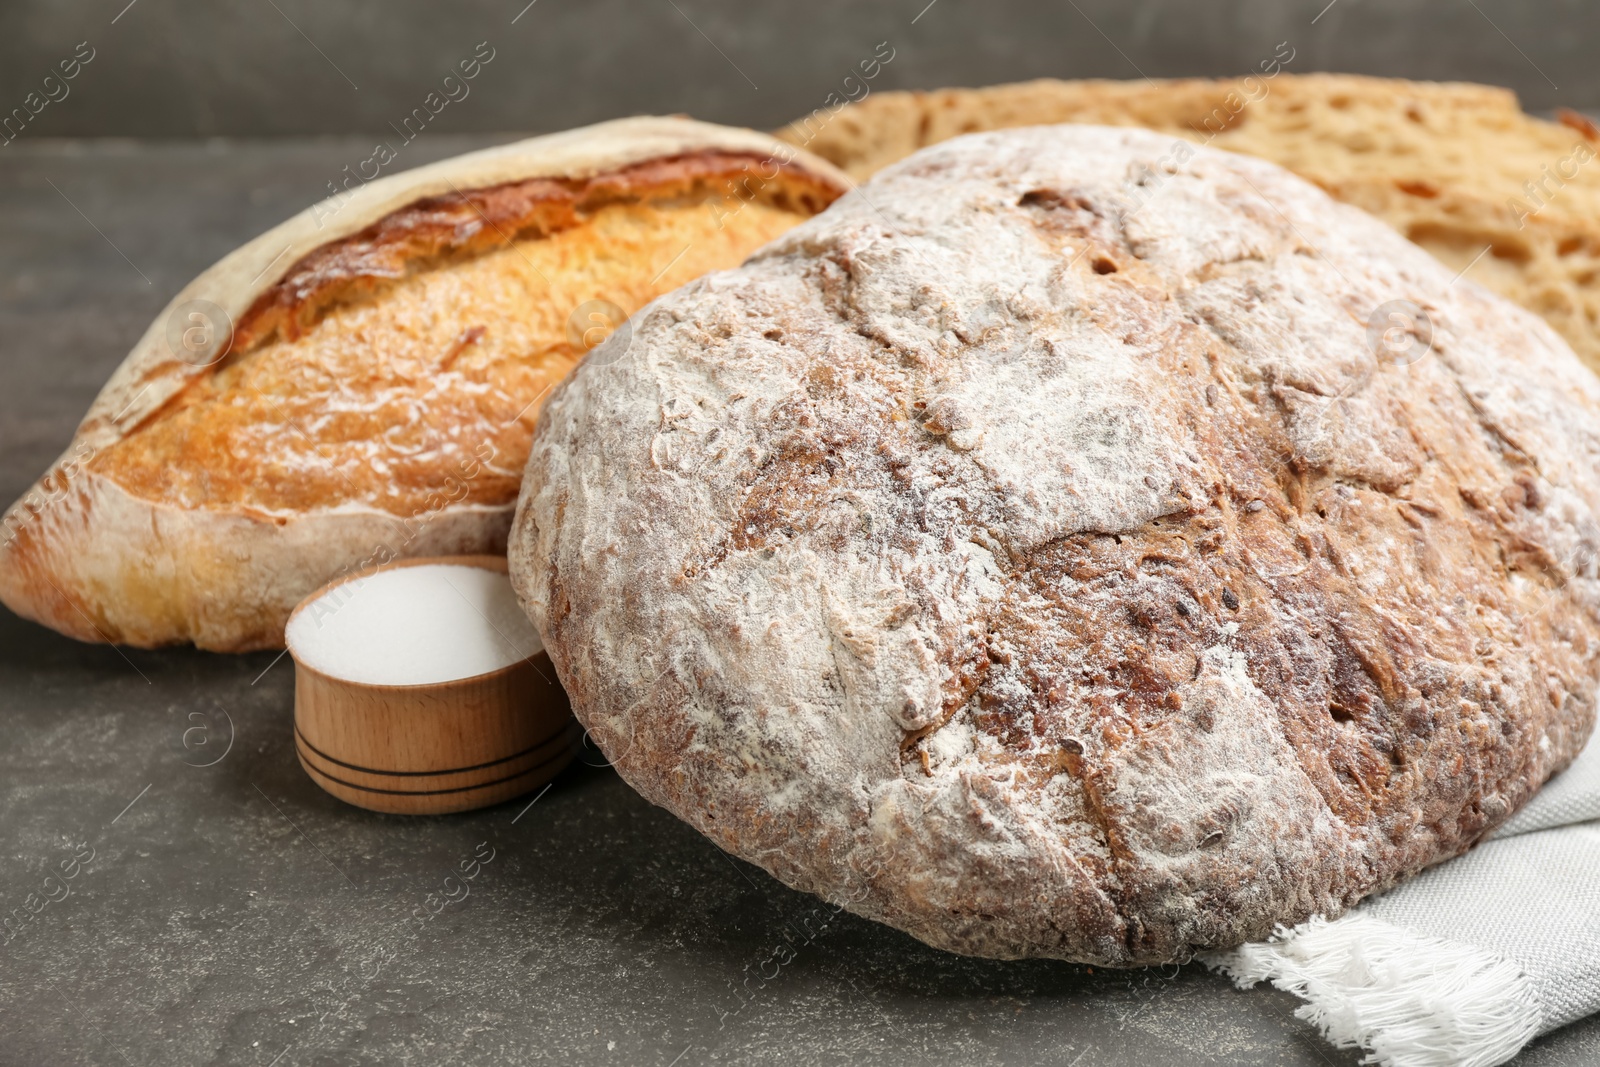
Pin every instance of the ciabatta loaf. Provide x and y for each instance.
(1074, 545)
(360, 383)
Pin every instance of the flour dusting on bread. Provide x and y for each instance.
(1033, 552)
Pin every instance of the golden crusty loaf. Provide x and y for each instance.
(1448, 165)
(373, 383)
(1040, 553)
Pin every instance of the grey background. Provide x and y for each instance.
(234, 914)
(253, 67)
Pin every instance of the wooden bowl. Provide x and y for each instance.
(436, 747)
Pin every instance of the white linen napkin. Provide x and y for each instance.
(1467, 962)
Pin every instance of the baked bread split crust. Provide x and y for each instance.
(360, 383)
(1457, 168)
(1047, 550)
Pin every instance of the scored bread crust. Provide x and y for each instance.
(1458, 168)
(1034, 553)
(88, 558)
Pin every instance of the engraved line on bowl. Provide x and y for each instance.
(425, 792)
(565, 728)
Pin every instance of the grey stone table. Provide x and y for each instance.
(227, 911)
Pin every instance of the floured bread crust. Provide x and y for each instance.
(1457, 168)
(376, 393)
(1032, 552)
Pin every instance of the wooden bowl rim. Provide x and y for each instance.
(483, 562)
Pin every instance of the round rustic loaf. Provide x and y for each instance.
(1076, 543)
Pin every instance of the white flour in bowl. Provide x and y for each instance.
(414, 626)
